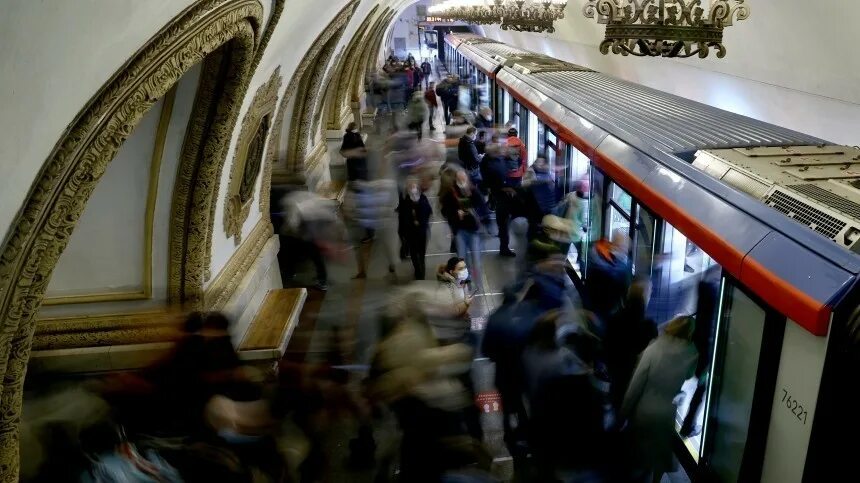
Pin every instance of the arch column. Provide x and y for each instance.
(41, 231)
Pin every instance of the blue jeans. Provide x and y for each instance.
(469, 248)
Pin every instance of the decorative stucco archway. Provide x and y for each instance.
(60, 193)
(307, 82)
(337, 96)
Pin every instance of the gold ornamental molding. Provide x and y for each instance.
(368, 60)
(248, 160)
(199, 176)
(107, 330)
(222, 288)
(337, 94)
(41, 230)
(306, 81)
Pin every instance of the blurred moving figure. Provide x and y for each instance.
(649, 402)
(312, 229)
(572, 208)
(417, 113)
(628, 333)
(432, 104)
(565, 410)
(369, 208)
(608, 276)
(409, 374)
(414, 213)
(502, 194)
(353, 149)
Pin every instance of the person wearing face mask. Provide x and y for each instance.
(451, 323)
(414, 214)
(464, 208)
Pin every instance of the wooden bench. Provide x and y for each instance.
(267, 337)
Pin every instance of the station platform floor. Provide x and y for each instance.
(341, 325)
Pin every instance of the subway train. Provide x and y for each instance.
(773, 212)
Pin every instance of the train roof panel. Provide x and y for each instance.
(746, 237)
(671, 123)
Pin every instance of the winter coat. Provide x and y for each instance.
(449, 313)
(573, 208)
(410, 363)
(372, 205)
(430, 98)
(414, 217)
(426, 68)
(541, 199)
(505, 337)
(468, 154)
(608, 279)
(417, 110)
(648, 403)
(351, 140)
(471, 203)
(565, 407)
(515, 143)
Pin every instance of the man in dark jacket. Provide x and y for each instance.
(495, 180)
(414, 214)
(355, 153)
(468, 154)
(426, 69)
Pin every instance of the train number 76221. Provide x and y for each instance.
(794, 406)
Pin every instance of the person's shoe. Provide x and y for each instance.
(321, 285)
(359, 275)
(689, 269)
(367, 239)
(689, 432)
(507, 253)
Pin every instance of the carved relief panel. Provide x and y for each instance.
(248, 159)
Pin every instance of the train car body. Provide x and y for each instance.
(779, 378)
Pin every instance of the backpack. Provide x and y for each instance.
(512, 158)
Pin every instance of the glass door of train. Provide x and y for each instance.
(723, 410)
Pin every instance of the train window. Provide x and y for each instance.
(531, 128)
(677, 267)
(742, 332)
(621, 199)
(541, 138)
(596, 211)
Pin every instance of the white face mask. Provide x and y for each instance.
(463, 275)
(462, 185)
(414, 195)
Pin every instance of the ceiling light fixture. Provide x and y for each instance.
(665, 28)
(518, 15)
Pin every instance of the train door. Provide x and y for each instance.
(723, 411)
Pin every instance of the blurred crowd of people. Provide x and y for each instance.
(588, 385)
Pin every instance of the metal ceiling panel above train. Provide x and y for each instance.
(484, 62)
(670, 123)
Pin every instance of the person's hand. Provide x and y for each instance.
(461, 214)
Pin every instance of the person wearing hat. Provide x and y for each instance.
(649, 401)
(553, 239)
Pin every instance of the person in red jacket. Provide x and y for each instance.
(517, 157)
(432, 103)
